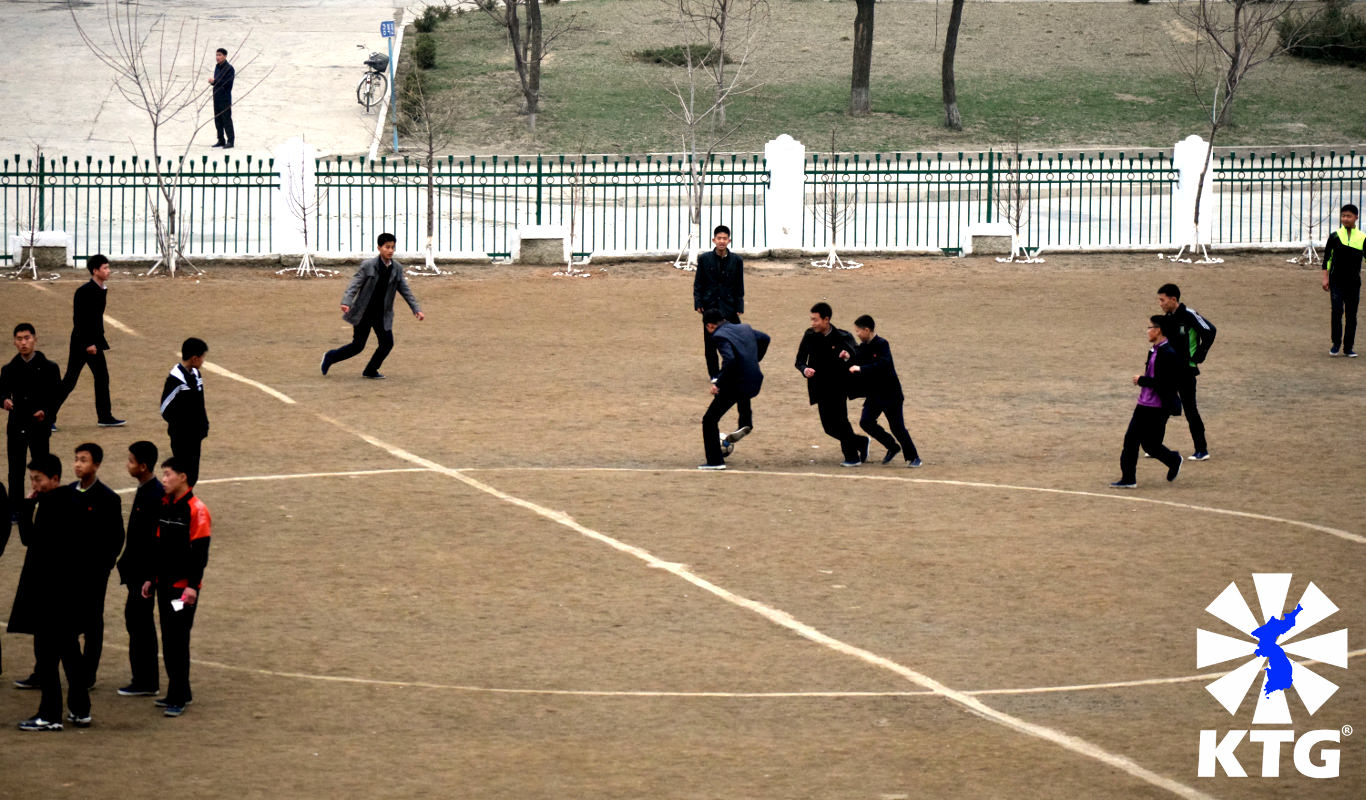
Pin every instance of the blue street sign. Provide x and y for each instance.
(386, 29)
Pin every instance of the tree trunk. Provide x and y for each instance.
(860, 104)
(952, 119)
(719, 71)
(535, 39)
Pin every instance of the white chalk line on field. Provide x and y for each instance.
(295, 476)
(1128, 498)
(227, 373)
(783, 619)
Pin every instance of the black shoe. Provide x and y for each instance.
(374, 376)
(891, 453)
(227, 146)
(133, 690)
(39, 724)
(79, 722)
(1175, 469)
(863, 450)
(31, 682)
(327, 362)
(1124, 484)
(217, 144)
(160, 702)
(113, 422)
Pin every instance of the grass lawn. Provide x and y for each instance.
(1060, 75)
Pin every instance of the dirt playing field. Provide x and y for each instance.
(531, 592)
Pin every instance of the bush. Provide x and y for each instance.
(425, 22)
(1337, 36)
(677, 55)
(424, 51)
(410, 101)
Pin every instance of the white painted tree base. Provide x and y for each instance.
(833, 261)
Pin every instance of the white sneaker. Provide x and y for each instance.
(711, 466)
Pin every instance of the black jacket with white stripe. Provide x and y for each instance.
(1190, 334)
(182, 403)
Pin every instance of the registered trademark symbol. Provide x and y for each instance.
(1346, 730)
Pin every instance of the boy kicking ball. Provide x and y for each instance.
(736, 382)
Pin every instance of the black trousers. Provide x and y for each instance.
(54, 648)
(872, 409)
(93, 628)
(1188, 407)
(222, 122)
(22, 445)
(1345, 302)
(76, 359)
(359, 336)
(139, 617)
(834, 412)
(175, 644)
(1147, 427)
(186, 449)
(711, 423)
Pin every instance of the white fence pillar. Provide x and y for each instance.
(296, 199)
(786, 161)
(1189, 159)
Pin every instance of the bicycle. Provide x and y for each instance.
(371, 90)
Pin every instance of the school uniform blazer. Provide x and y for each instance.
(1168, 373)
(820, 352)
(361, 292)
(87, 316)
(48, 598)
(741, 348)
(876, 378)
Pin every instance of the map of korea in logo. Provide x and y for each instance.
(1268, 641)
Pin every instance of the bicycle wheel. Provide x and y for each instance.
(370, 91)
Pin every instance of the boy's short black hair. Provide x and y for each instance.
(25, 326)
(712, 317)
(823, 310)
(173, 465)
(1170, 290)
(1160, 320)
(96, 452)
(144, 452)
(865, 321)
(193, 347)
(385, 238)
(48, 464)
(720, 229)
(1351, 208)
(222, 50)
(96, 261)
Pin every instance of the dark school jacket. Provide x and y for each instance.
(876, 379)
(87, 316)
(182, 403)
(1190, 334)
(223, 75)
(31, 386)
(719, 283)
(821, 353)
(44, 600)
(741, 348)
(137, 565)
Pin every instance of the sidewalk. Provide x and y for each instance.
(314, 50)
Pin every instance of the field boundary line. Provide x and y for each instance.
(783, 619)
(294, 476)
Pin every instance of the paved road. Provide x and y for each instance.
(55, 93)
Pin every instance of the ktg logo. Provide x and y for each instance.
(1268, 655)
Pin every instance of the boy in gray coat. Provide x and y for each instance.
(369, 303)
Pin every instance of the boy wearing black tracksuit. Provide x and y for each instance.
(877, 381)
(1191, 336)
(1158, 399)
(136, 568)
(1342, 280)
(182, 406)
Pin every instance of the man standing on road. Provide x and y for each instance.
(1191, 336)
(736, 382)
(88, 343)
(223, 73)
(368, 303)
(718, 285)
(1158, 398)
(881, 389)
(182, 406)
(30, 387)
(136, 568)
(97, 531)
(820, 359)
(182, 552)
(1342, 279)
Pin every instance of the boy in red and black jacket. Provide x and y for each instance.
(179, 556)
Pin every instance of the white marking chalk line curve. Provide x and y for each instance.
(295, 476)
(783, 619)
(1341, 534)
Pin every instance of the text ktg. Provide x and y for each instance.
(1222, 753)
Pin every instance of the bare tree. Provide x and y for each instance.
(952, 119)
(302, 199)
(860, 103)
(700, 110)
(530, 42)
(429, 123)
(1013, 201)
(574, 180)
(1232, 37)
(1310, 212)
(29, 219)
(833, 207)
(159, 68)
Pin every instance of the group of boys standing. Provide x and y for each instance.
(74, 533)
(838, 366)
